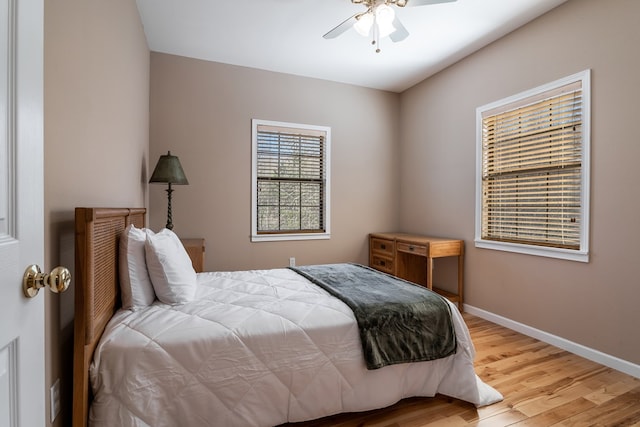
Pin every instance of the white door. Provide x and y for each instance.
(22, 355)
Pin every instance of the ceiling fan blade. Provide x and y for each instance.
(426, 2)
(400, 33)
(348, 23)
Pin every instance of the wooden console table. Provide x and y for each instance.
(410, 257)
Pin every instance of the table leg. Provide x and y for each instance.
(429, 273)
(460, 280)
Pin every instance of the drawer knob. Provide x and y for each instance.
(411, 248)
(383, 247)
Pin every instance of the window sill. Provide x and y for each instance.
(289, 237)
(567, 254)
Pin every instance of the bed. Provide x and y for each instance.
(254, 348)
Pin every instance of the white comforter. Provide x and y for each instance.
(257, 348)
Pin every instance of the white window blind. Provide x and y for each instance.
(290, 196)
(533, 171)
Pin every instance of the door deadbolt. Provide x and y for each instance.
(58, 280)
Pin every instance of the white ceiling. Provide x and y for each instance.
(286, 36)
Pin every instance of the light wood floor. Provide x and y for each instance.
(542, 385)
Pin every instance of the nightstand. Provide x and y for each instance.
(195, 249)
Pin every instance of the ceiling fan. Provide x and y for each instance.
(379, 19)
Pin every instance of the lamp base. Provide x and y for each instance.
(169, 219)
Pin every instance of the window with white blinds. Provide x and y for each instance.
(290, 181)
(533, 171)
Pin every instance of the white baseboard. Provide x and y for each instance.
(579, 349)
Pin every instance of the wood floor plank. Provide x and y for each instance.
(623, 410)
(503, 419)
(542, 386)
(610, 391)
(558, 414)
(551, 401)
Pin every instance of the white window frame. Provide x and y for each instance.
(263, 237)
(581, 254)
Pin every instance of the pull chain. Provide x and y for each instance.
(376, 34)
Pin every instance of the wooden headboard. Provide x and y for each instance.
(97, 290)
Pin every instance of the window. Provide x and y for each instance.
(290, 181)
(533, 171)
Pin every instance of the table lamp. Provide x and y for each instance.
(169, 171)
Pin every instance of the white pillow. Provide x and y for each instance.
(135, 284)
(170, 268)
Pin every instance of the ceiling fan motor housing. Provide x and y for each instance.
(373, 3)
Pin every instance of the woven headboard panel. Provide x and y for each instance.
(97, 291)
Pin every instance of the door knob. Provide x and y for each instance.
(58, 280)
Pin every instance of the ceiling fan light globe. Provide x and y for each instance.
(364, 24)
(385, 29)
(384, 14)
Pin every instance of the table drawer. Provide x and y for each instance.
(412, 249)
(382, 246)
(447, 248)
(382, 263)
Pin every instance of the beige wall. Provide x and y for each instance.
(594, 304)
(201, 112)
(95, 142)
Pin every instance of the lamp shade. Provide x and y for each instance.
(169, 171)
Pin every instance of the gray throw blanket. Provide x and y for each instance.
(399, 321)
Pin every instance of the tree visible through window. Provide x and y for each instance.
(290, 181)
(533, 171)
